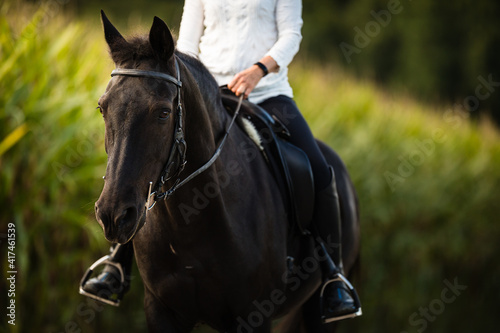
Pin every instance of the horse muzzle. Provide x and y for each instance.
(120, 225)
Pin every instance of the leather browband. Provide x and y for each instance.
(151, 74)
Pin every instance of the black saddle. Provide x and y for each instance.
(289, 164)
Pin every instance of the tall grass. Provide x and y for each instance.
(436, 222)
(52, 160)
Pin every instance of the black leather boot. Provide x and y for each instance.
(338, 298)
(114, 280)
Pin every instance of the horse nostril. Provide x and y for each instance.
(127, 217)
(117, 224)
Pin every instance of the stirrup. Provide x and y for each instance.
(354, 295)
(106, 260)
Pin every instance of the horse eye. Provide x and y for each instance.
(164, 114)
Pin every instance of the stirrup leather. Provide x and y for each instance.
(354, 295)
(106, 260)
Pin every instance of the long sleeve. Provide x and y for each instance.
(228, 36)
(289, 23)
(191, 28)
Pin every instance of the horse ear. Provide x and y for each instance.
(161, 39)
(113, 37)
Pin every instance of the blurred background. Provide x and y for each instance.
(408, 93)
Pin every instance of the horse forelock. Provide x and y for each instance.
(136, 49)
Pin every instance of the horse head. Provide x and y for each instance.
(139, 117)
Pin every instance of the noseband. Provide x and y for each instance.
(177, 157)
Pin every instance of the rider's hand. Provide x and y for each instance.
(246, 80)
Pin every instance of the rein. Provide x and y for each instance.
(177, 154)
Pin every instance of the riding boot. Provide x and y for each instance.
(114, 280)
(338, 298)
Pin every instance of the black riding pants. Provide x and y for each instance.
(285, 109)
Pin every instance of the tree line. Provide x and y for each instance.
(439, 51)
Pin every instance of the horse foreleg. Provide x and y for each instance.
(261, 326)
(293, 322)
(161, 319)
(312, 318)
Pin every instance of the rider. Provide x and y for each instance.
(248, 46)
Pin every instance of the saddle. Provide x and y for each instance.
(289, 164)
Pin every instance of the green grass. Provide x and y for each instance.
(434, 220)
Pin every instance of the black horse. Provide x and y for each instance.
(215, 251)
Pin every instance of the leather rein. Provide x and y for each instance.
(177, 157)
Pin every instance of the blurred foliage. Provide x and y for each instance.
(51, 75)
(428, 183)
(434, 49)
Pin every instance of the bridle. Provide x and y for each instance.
(177, 156)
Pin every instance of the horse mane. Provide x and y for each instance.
(207, 84)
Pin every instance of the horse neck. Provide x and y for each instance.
(204, 126)
(204, 121)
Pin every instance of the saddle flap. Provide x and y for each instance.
(297, 169)
(290, 165)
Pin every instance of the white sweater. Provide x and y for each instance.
(229, 36)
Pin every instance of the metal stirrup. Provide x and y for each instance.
(106, 260)
(354, 295)
(332, 269)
